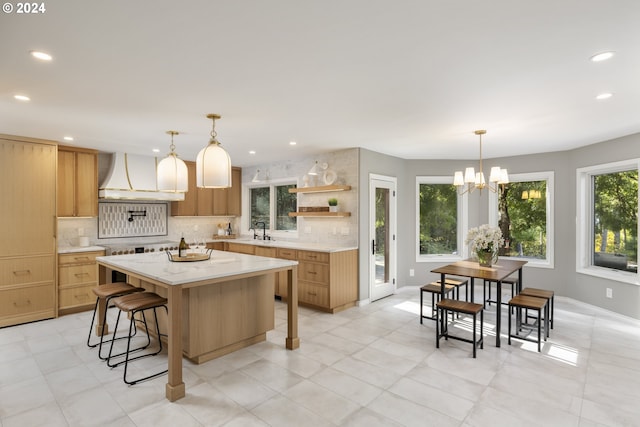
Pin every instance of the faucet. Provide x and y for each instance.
(264, 230)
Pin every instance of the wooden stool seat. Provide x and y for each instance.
(434, 288)
(520, 302)
(458, 283)
(137, 303)
(511, 281)
(541, 293)
(106, 292)
(457, 306)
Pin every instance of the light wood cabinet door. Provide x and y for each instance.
(188, 206)
(234, 194)
(28, 201)
(66, 183)
(86, 184)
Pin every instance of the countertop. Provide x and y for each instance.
(74, 249)
(156, 265)
(318, 247)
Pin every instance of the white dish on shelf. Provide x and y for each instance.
(329, 177)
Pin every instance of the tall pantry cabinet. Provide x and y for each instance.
(27, 229)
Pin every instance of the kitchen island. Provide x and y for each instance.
(215, 306)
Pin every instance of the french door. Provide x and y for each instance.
(382, 236)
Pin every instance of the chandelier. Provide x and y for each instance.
(213, 164)
(474, 179)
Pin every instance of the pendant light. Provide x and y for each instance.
(213, 164)
(497, 177)
(171, 173)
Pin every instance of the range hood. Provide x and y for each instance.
(131, 177)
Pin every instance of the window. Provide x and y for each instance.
(441, 223)
(608, 221)
(271, 204)
(523, 211)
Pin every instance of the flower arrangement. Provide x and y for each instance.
(484, 238)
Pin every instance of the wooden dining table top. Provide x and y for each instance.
(470, 268)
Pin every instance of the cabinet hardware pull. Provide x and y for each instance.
(81, 274)
(81, 258)
(19, 272)
(312, 272)
(15, 303)
(312, 293)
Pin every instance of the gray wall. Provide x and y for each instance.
(563, 278)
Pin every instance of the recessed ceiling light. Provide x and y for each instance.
(22, 97)
(68, 138)
(603, 56)
(605, 95)
(41, 55)
(292, 143)
(252, 152)
(156, 150)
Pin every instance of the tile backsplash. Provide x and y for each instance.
(135, 219)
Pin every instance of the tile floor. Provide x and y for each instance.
(368, 366)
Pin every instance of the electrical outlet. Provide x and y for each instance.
(412, 272)
(335, 231)
(345, 231)
(609, 293)
(307, 230)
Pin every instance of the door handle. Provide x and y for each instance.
(373, 247)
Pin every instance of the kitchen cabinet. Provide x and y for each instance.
(77, 193)
(77, 276)
(240, 248)
(28, 211)
(328, 281)
(210, 201)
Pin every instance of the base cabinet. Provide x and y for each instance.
(77, 276)
(327, 281)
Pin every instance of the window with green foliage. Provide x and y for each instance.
(615, 220)
(607, 239)
(439, 218)
(271, 204)
(524, 215)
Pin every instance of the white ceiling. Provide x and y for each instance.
(412, 79)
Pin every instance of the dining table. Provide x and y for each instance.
(473, 270)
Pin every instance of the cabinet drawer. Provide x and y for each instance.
(240, 248)
(17, 271)
(313, 294)
(287, 253)
(27, 299)
(313, 272)
(79, 257)
(313, 256)
(76, 274)
(268, 252)
(76, 296)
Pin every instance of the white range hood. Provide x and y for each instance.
(133, 177)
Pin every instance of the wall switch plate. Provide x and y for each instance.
(609, 293)
(412, 272)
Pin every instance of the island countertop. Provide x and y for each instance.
(222, 264)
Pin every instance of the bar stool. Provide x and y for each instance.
(526, 302)
(464, 307)
(107, 292)
(541, 293)
(512, 281)
(458, 283)
(435, 290)
(132, 304)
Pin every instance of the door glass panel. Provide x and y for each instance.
(382, 236)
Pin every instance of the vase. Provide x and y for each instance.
(486, 258)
